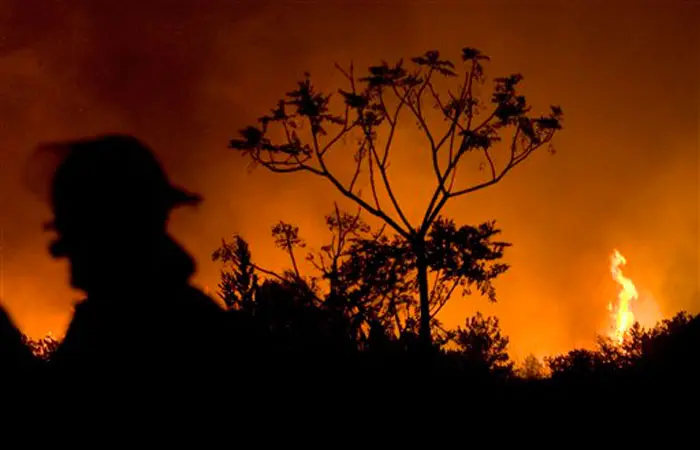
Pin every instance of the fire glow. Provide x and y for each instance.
(622, 315)
(631, 306)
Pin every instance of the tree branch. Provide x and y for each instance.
(491, 165)
(356, 175)
(381, 167)
(464, 95)
(290, 167)
(352, 196)
(514, 161)
(392, 126)
(290, 249)
(435, 285)
(267, 272)
(372, 182)
(433, 210)
(445, 299)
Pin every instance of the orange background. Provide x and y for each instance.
(186, 75)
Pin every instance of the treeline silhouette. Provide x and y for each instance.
(356, 308)
(354, 312)
(282, 325)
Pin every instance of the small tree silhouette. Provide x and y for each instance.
(308, 131)
(238, 281)
(483, 345)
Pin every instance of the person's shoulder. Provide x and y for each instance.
(83, 311)
(82, 306)
(194, 301)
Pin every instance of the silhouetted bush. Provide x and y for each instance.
(670, 349)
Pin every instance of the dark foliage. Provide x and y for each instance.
(671, 349)
(370, 276)
(356, 299)
(483, 347)
(308, 312)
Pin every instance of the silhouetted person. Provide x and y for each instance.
(111, 200)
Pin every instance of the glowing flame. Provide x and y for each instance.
(622, 315)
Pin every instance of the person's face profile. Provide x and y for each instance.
(77, 252)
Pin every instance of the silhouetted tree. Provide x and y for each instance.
(370, 278)
(309, 130)
(483, 346)
(238, 282)
(672, 348)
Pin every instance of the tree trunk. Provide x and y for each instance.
(425, 335)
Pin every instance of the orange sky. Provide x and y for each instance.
(185, 78)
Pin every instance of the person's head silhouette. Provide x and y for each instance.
(111, 200)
